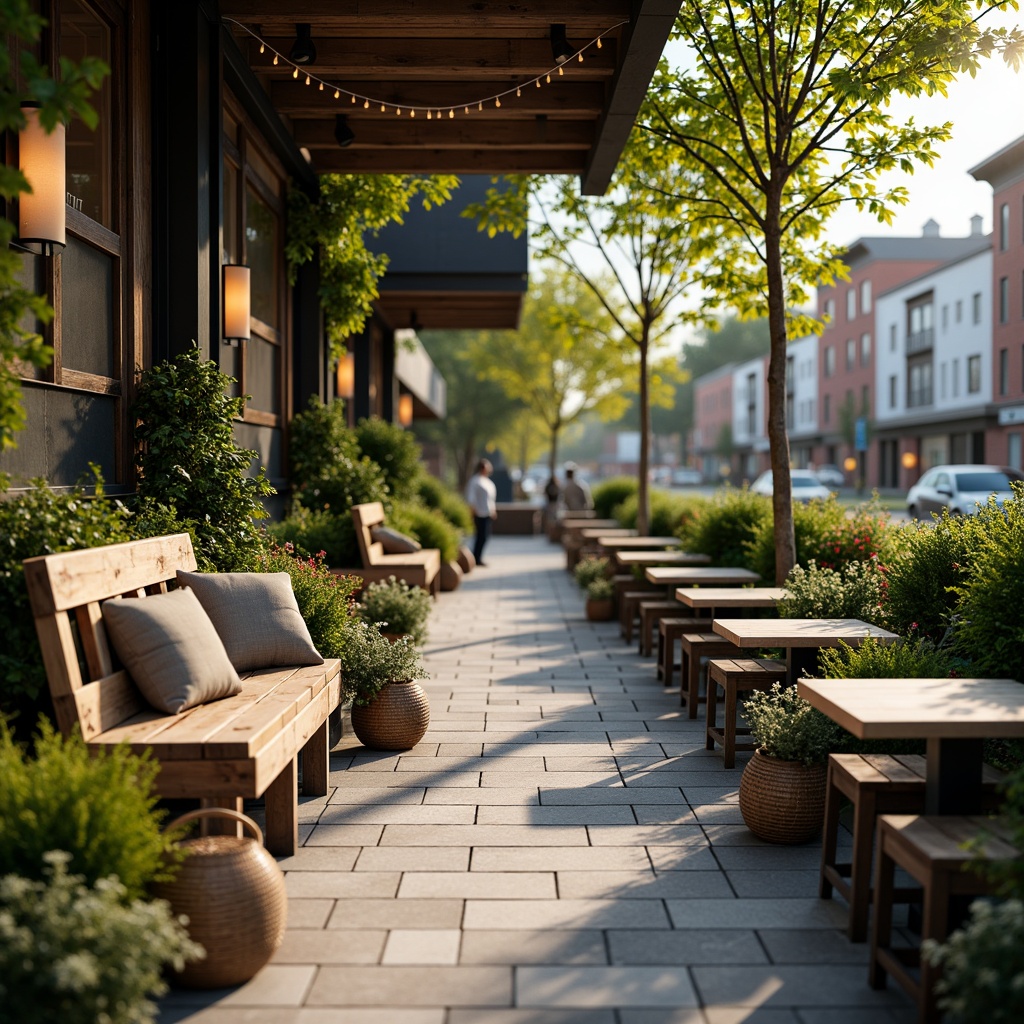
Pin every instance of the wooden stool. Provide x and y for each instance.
(669, 631)
(652, 611)
(735, 676)
(931, 850)
(629, 609)
(695, 646)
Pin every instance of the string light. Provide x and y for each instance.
(519, 92)
(451, 113)
(275, 59)
(337, 94)
(497, 102)
(560, 71)
(321, 87)
(366, 104)
(547, 77)
(383, 109)
(599, 42)
(428, 115)
(307, 79)
(263, 47)
(398, 111)
(295, 73)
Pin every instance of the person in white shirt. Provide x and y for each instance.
(576, 494)
(481, 496)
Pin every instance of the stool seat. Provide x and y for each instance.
(695, 646)
(651, 612)
(735, 676)
(669, 631)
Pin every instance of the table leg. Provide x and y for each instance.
(953, 782)
(800, 662)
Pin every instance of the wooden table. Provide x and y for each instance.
(628, 559)
(802, 638)
(614, 541)
(596, 533)
(712, 576)
(709, 599)
(954, 716)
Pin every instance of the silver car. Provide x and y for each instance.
(961, 489)
(806, 486)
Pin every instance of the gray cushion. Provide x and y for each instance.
(393, 542)
(171, 650)
(256, 616)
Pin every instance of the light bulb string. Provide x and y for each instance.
(433, 109)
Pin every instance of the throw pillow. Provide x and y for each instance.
(393, 542)
(170, 649)
(256, 616)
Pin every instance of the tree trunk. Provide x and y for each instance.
(643, 506)
(778, 438)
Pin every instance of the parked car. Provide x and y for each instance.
(686, 477)
(961, 489)
(830, 476)
(806, 486)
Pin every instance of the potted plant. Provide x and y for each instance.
(600, 600)
(589, 569)
(403, 610)
(782, 790)
(390, 711)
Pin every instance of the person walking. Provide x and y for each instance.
(576, 494)
(481, 496)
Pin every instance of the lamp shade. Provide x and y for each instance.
(236, 302)
(41, 212)
(405, 410)
(345, 378)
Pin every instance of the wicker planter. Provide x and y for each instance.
(467, 563)
(395, 720)
(451, 576)
(232, 892)
(782, 801)
(600, 609)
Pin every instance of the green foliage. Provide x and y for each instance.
(788, 728)
(349, 209)
(852, 592)
(670, 513)
(589, 569)
(432, 493)
(402, 608)
(990, 623)
(369, 661)
(189, 461)
(98, 806)
(40, 521)
(725, 527)
(317, 438)
(982, 963)
(609, 494)
(349, 481)
(600, 589)
(1009, 875)
(84, 954)
(325, 599)
(912, 658)
(24, 79)
(429, 527)
(396, 451)
(312, 531)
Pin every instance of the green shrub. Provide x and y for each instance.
(325, 599)
(609, 493)
(313, 531)
(600, 589)
(787, 727)
(317, 438)
(852, 592)
(99, 807)
(189, 462)
(404, 609)
(670, 513)
(725, 526)
(589, 569)
(427, 526)
(81, 955)
(350, 481)
(40, 521)
(913, 658)
(370, 661)
(982, 963)
(396, 451)
(434, 494)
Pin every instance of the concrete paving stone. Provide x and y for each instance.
(561, 763)
(682, 858)
(662, 1015)
(841, 986)
(766, 858)
(601, 987)
(413, 858)
(659, 778)
(319, 946)
(573, 914)
(397, 814)
(703, 946)
(466, 764)
(590, 1016)
(579, 750)
(303, 1015)
(311, 913)
(366, 796)
(493, 797)
(642, 885)
(610, 795)
(599, 814)
(345, 835)
(422, 946)
(394, 985)
(275, 985)
(664, 814)
(420, 780)
(905, 1014)
(517, 885)
(718, 814)
(560, 858)
(765, 883)
(484, 835)
(646, 835)
(749, 1015)
(339, 885)
(357, 914)
(759, 914)
(726, 794)
(798, 946)
(589, 780)
(459, 732)
(316, 858)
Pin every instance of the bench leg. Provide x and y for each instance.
(830, 838)
(711, 712)
(221, 826)
(692, 684)
(860, 868)
(315, 763)
(282, 799)
(729, 746)
(881, 923)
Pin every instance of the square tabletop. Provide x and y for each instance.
(596, 532)
(679, 576)
(574, 525)
(731, 597)
(628, 559)
(614, 541)
(799, 632)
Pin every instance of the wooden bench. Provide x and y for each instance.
(417, 568)
(242, 746)
(735, 676)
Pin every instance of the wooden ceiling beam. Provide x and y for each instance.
(447, 161)
(457, 133)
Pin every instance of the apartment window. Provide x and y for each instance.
(865, 296)
(1004, 227)
(1004, 300)
(826, 408)
(851, 353)
(959, 310)
(945, 317)
(1004, 370)
(919, 382)
(942, 381)
(956, 378)
(751, 404)
(1013, 451)
(893, 391)
(851, 303)
(976, 308)
(893, 341)
(920, 325)
(830, 360)
(973, 374)
(830, 309)
(865, 349)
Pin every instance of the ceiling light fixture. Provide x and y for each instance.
(560, 48)
(343, 135)
(303, 51)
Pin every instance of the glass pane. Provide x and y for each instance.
(232, 240)
(263, 375)
(89, 162)
(87, 310)
(261, 239)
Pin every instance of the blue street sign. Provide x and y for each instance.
(860, 434)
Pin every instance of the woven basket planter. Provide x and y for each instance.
(467, 563)
(782, 801)
(600, 610)
(232, 892)
(396, 719)
(451, 576)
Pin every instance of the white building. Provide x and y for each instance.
(749, 416)
(802, 399)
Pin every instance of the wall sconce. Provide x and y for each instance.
(405, 410)
(908, 460)
(561, 51)
(236, 303)
(345, 377)
(41, 212)
(303, 51)
(343, 134)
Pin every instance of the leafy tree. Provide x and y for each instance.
(781, 114)
(557, 364)
(23, 79)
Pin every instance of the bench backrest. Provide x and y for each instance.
(366, 517)
(67, 590)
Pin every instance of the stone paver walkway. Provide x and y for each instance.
(559, 849)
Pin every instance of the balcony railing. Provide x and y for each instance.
(921, 341)
(919, 396)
